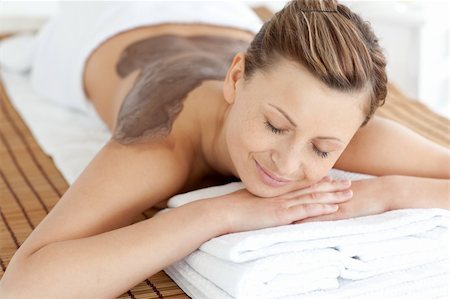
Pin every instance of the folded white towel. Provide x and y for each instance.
(415, 282)
(422, 242)
(16, 52)
(272, 276)
(245, 246)
(303, 271)
(428, 281)
(297, 259)
(209, 192)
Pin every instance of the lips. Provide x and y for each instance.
(270, 179)
(273, 176)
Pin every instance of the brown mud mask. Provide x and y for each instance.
(170, 67)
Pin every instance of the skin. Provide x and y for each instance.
(303, 154)
(108, 254)
(169, 67)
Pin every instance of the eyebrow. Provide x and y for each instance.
(295, 125)
(285, 115)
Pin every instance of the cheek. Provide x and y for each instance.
(246, 129)
(244, 137)
(323, 166)
(315, 169)
(322, 171)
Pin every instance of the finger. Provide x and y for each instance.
(312, 210)
(322, 198)
(323, 217)
(338, 215)
(323, 186)
(326, 178)
(328, 217)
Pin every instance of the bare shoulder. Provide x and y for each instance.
(118, 184)
(385, 147)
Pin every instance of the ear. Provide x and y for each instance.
(234, 75)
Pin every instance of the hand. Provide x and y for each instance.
(370, 196)
(245, 211)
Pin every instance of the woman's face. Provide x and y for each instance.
(287, 122)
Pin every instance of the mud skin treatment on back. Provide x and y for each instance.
(170, 67)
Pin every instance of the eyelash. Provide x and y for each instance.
(278, 131)
(274, 130)
(320, 153)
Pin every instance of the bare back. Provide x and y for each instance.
(107, 90)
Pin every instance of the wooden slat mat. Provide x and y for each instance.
(30, 183)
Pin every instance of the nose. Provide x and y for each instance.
(289, 161)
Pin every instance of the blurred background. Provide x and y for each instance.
(414, 34)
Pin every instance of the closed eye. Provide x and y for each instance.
(320, 153)
(280, 131)
(273, 129)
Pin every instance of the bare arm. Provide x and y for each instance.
(85, 235)
(109, 264)
(385, 147)
(420, 193)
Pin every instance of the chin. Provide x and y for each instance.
(259, 189)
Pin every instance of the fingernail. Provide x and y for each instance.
(346, 182)
(333, 207)
(348, 193)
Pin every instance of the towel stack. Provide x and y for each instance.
(397, 254)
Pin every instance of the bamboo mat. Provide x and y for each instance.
(30, 183)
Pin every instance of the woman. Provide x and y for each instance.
(299, 101)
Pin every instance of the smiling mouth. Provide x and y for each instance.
(268, 178)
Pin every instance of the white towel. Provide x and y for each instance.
(245, 246)
(66, 41)
(428, 281)
(416, 282)
(302, 271)
(16, 52)
(284, 274)
(298, 259)
(280, 274)
(249, 245)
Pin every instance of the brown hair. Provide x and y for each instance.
(331, 41)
